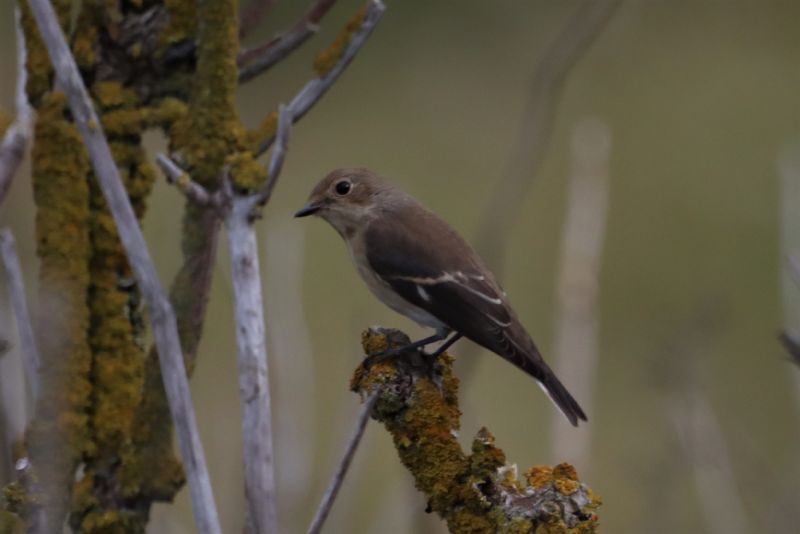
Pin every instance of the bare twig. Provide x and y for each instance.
(162, 316)
(581, 249)
(252, 14)
(15, 140)
(316, 88)
(537, 124)
(178, 177)
(260, 59)
(278, 154)
(16, 289)
(341, 470)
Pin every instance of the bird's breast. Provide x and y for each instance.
(384, 291)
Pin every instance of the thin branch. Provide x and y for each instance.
(260, 59)
(16, 289)
(285, 117)
(161, 314)
(252, 14)
(316, 88)
(341, 470)
(12, 148)
(555, 64)
(178, 177)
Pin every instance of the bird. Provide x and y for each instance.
(419, 266)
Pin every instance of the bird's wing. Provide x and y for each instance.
(428, 264)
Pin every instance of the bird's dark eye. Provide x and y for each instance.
(343, 187)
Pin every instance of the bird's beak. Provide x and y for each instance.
(309, 209)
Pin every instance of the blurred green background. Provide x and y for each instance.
(700, 97)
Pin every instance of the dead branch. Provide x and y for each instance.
(344, 465)
(161, 313)
(15, 140)
(16, 288)
(260, 59)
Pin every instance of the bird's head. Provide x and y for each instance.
(347, 198)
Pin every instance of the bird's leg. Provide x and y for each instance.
(388, 353)
(446, 345)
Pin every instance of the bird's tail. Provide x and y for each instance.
(562, 398)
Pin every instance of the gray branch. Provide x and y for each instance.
(16, 290)
(260, 59)
(341, 470)
(162, 316)
(15, 140)
(316, 88)
(285, 118)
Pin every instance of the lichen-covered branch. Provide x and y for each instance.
(161, 314)
(476, 491)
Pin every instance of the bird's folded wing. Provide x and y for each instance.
(439, 273)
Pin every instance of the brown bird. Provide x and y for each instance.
(419, 266)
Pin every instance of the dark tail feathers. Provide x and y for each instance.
(565, 402)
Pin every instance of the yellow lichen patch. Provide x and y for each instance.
(266, 130)
(246, 174)
(328, 58)
(565, 479)
(539, 476)
(111, 95)
(85, 37)
(182, 21)
(60, 436)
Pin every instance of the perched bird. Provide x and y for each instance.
(420, 267)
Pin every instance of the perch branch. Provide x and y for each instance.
(341, 470)
(316, 88)
(417, 401)
(260, 59)
(15, 140)
(16, 289)
(162, 316)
